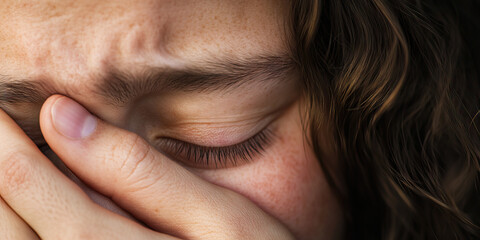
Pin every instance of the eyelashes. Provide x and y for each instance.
(210, 157)
(216, 157)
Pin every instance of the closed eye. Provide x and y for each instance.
(216, 157)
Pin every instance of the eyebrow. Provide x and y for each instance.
(13, 91)
(119, 87)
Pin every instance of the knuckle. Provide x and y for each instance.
(132, 155)
(15, 171)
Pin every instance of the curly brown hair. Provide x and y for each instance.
(398, 82)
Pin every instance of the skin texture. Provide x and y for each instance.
(68, 44)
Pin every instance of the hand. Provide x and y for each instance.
(42, 201)
(122, 166)
(12, 226)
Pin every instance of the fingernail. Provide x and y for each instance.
(72, 120)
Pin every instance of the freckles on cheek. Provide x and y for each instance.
(283, 182)
(289, 184)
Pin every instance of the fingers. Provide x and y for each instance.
(12, 227)
(47, 200)
(156, 190)
(96, 197)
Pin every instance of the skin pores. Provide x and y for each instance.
(69, 45)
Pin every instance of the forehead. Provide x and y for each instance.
(68, 42)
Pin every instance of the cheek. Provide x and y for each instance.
(289, 184)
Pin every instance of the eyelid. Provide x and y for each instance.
(215, 133)
(198, 156)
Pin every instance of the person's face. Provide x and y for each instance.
(193, 73)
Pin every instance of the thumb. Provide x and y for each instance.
(156, 190)
(120, 165)
(113, 161)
